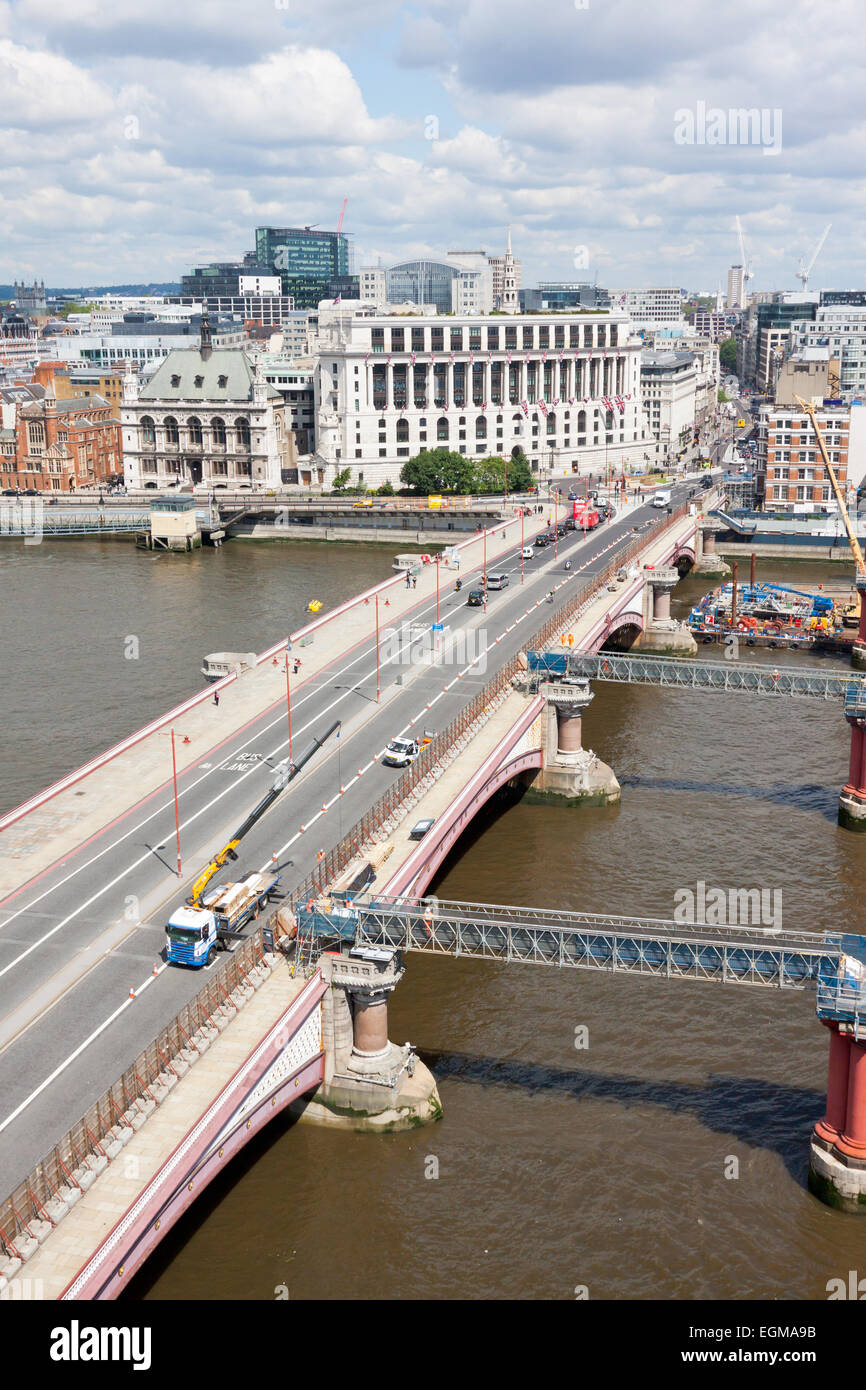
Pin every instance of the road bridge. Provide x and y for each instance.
(90, 882)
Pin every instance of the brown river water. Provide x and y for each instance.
(559, 1165)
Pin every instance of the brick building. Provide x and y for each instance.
(55, 446)
(790, 472)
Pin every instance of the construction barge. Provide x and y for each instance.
(774, 615)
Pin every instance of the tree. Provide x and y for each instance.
(490, 474)
(386, 490)
(728, 354)
(438, 470)
(341, 479)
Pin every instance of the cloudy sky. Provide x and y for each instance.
(141, 138)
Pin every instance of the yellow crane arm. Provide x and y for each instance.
(834, 482)
(204, 878)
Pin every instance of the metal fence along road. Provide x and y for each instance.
(56, 1183)
(32, 1210)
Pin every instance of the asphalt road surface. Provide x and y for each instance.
(99, 916)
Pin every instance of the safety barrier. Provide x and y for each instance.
(397, 799)
(32, 1210)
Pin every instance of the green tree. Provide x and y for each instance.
(490, 474)
(386, 490)
(728, 354)
(341, 479)
(722, 395)
(438, 470)
(70, 307)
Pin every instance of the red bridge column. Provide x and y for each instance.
(838, 1066)
(852, 801)
(852, 1141)
(837, 1158)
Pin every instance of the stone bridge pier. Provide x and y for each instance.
(662, 635)
(570, 774)
(370, 1083)
(707, 560)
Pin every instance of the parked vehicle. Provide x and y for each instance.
(401, 752)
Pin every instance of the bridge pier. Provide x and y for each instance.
(662, 635)
(852, 801)
(837, 1163)
(707, 560)
(858, 651)
(370, 1083)
(571, 774)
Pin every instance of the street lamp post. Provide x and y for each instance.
(485, 569)
(176, 806)
(288, 702)
(378, 682)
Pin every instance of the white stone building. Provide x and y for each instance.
(652, 308)
(205, 416)
(841, 328)
(562, 388)
(669, 382)
(373, 285)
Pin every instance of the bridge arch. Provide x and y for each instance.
(620, 623)
(683, 558)
(432, 852)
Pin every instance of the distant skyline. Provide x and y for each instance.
(141, 139)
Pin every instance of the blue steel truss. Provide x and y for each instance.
(82, 524)
(627, 945)
(685, 674)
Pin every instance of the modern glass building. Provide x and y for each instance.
(423, 282)
(221, 278)
(307, 261)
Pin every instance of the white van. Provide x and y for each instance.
(497, 581)
(527, 552)
(661, 499)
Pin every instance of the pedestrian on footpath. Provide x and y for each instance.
(408, 580)
(297, 666)
(216, 697)
(414, 581)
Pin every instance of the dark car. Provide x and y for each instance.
(541, 541)
(475, 599)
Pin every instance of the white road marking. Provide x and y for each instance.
(79, 1049)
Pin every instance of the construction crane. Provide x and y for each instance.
(805, 271)
(748, 273)
(859, 562)
(229, 850)
(343, 213)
